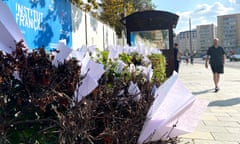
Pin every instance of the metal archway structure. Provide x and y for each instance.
(153, 20)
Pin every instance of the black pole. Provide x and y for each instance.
(190, 35)
(86, 28)
(190, 42)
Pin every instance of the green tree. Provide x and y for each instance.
(91, 4)
(112, 11)
(143, 4)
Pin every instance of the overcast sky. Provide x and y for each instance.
(200, 11)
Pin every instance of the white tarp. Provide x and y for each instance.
(174, 105)
(9, 28)
(62, 55)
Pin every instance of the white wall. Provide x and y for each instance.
(98, 34)
(78, 28)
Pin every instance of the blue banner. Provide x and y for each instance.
(43, 22)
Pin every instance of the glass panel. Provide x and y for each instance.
(156, 38)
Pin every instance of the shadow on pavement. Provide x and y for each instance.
(228, 102)
(202, 92)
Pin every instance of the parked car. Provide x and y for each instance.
(183, 57)
(204, 57)
(235, 57)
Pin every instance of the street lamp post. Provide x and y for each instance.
(190, 41)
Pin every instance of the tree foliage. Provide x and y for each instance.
(91, 4)
(114, 10)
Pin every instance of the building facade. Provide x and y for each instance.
(229, 31)
(187, 41)
(206, 34)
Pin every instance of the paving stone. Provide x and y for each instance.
(209, 117)
(233, 130)
(226, 137)
(198, 141)
(220, 123)
(223, 118)
(199, 135)
(212, 129)
(220, 114)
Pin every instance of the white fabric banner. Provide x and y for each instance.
(173, 107)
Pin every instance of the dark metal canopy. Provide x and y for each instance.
(153, 20)
(150, 20)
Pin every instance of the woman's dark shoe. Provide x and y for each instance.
(216, 89)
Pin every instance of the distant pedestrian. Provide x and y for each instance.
(191, 58)
(217, 59)
(187, 57)
(177, 57)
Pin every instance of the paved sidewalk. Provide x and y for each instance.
(220, 124)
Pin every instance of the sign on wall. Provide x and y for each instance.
(43, 22)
